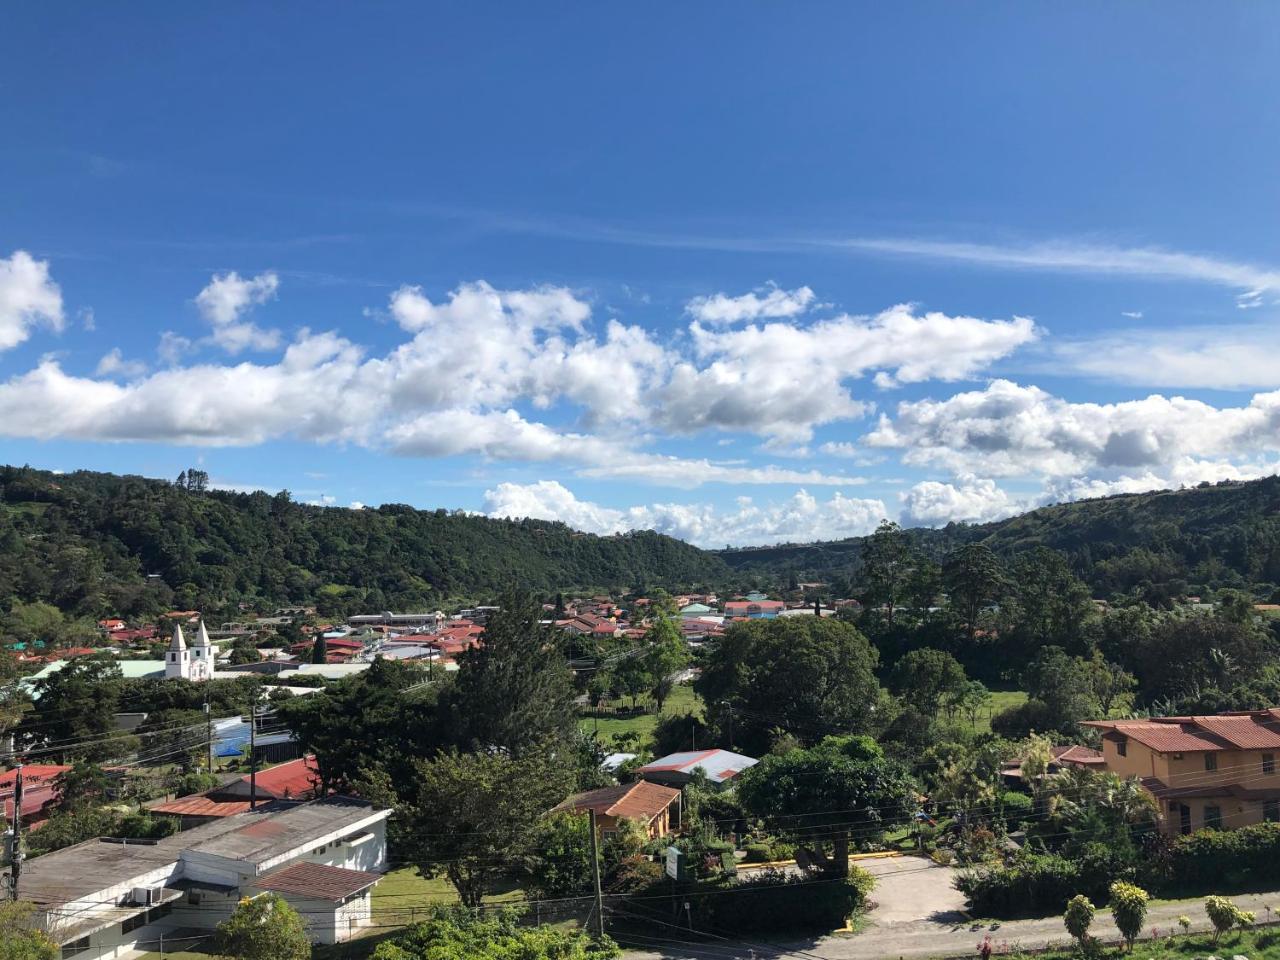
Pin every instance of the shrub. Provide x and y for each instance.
(758, 853)
(1128, 909)
(1079, 917)
(1017, 805)
(1224, 915)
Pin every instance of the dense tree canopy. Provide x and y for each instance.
(805, 676)
(85, 543)
(839, 790)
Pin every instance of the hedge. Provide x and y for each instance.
(769, 901)
(1040, 884)
(1202, 862)
(1224, 858)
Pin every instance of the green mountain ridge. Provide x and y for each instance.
(97, 543)
(1162, 542)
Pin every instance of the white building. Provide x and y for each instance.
(193, 664)
(113, 900)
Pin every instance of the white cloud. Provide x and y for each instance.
(768, 302)
(1011, 430)
(800, 518)
(1220, 357)
(781, 380)
(1250, 281)
(1131, 314)
(476, 362)
(113, 363)
(970, 499)
(225, 301)
(28, 297)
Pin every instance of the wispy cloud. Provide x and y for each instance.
(1249, 280)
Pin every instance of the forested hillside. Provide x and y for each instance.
(87, 542)
(1156, 544)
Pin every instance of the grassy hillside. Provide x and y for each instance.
(87, 541)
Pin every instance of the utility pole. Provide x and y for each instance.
(15, 854)
(595, 877)
(253, 755)
(729, 706)
(208, 716)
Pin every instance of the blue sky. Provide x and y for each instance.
(740, 272)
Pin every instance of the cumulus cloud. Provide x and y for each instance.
(28, 297)
(799, 518)
(1011, 430)
(766, 302)
(114, 364)
(479, 365)
(782, 380)
(970, 499)
(227, 299)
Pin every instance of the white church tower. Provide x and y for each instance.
(202, 655)
(177, 662)
(193, 664)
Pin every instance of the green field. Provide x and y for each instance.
(1000, 700)
(682, 700)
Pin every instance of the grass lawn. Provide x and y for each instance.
(1261, 944)
(682, 700)
(1000, 700)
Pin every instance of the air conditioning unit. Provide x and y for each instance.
(148, 896)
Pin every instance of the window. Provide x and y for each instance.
(1271, 811)
(1122, 747)
(1268, 763)
(75, 947)
(1213, 818)
(133, 923)
(193, 898)
(1211, 761)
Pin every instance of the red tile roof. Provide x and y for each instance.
(641, 800)
(318, 881)
(1248, 732)
(1162, 737)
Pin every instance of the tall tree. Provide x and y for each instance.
(515, 690)
(973, 578)
(1053, 603)
(76, 707)
(926, 677)
(887, 565)
(665, 654)
(808, 676)
(491, 802)
(827, 793)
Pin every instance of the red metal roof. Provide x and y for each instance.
(318, 881)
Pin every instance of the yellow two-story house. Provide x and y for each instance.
(1217, 771)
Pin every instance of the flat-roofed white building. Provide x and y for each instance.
(107, 899)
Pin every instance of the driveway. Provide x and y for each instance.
(911, 889)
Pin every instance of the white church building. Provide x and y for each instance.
(194, 663)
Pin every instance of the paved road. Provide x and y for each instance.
(917, 917)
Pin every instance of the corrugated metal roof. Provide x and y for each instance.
(318, 881)
(718, 764)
